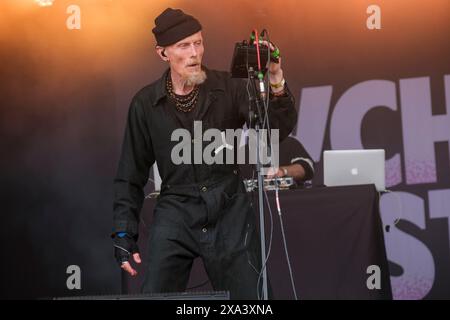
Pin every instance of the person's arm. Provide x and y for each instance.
(307, 165)
(132, 175)
(294, 170)
(301, 169)
(281, 113)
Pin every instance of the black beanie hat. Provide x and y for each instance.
(174, 25)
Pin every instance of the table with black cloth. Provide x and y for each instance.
(333, 235)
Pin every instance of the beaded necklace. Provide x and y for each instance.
(183, 103)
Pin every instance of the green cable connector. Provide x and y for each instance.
(276, 53)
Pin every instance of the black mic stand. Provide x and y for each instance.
(255, 97)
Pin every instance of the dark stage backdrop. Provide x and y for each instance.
(68, 72)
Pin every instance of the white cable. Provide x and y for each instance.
(270, 244)
(284, 242)
(266, 121)
(264, 124)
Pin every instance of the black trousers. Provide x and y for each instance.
(215, 222)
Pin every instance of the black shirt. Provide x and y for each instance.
(223, 104)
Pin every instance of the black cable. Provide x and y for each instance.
(251, 80)
(264, 123)
(266, 106)
(270, 243)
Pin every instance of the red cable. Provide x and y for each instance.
(257, 49)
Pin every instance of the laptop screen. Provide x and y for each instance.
(354, 167)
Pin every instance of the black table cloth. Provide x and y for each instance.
(333, 235)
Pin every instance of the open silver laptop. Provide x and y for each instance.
(352, 167)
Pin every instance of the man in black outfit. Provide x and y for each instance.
(203, 210)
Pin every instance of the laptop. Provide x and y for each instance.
(354, 167)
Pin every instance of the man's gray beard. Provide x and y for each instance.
(196, 78)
